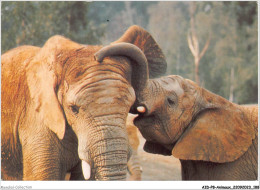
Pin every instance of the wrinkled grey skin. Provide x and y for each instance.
(60, 107)
(213, 138)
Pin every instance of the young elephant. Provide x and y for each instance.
(213, 138)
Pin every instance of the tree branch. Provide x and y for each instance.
(191, 45)
(205, 46)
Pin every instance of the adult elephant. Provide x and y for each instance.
(213, 138)
(63, 111)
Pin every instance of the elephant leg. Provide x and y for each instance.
(76, 172)
(41, 160)
(67, 177)
(134, 167)
(39, 167)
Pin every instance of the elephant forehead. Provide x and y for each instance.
(104, 91)
(171, 85)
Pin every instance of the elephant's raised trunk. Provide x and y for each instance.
(140, 66)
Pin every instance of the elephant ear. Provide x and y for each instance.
(42, 80)
(141, 38)
(218, 135)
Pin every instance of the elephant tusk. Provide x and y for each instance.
(86, 169)
(141, 109)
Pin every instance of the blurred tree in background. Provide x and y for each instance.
(34, 22)
(228, 68)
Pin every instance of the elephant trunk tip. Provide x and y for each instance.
(141, 109)
(97, 57)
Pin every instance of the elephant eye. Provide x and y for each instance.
(170, 101)
(74, 109)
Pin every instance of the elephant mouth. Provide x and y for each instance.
(143, 120)
(144, 123)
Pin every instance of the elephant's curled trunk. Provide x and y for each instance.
(140, 66)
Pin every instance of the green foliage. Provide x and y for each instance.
(232, 26)
(34, 22)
